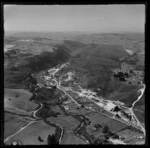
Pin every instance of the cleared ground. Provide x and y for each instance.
(12, 123)
(29, 136)
(113, 124)
(128, 134)
(141, 116)
(18, 100)
(70, 138)
(68, 123)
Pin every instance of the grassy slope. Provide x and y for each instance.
(11, 124)
(95, 65)
(18, 98)
(17, 66)
(29, 136)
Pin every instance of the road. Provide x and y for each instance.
(25, 126)
(86, 93)
(22, 128)
(89, 94)
(142, 90)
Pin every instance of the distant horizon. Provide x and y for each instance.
(75, 18)
(71, 32)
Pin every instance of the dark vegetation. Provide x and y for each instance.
(97, 126)
(54, 139)
(108, 133)
(40, 139)
(74, 45)
(11, 52)
(46, 112)
(51, 140)
(45, 60)
(48, 96)
(116, 109)
(118, 116)
(98, 140)
(17, 67)
(126, 115)
(121, 76)
(94, 64)
(132, 129)
(30, 79)
(80, 131)
(14, 79)
(105, 129)
(125, 93)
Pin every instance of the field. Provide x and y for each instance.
(141, 116)
(113, 124)
(56, 108)
(73, 108)
(18, 99)
(127, 134)
(13, 79)
(29, 136)
(69, 123)
(12, 124)
(70, 138)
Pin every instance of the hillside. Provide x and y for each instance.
(92, 84)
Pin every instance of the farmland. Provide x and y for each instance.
(18, 99)
(103, 120)
(68, 123)
(32, 132)
(12, 124)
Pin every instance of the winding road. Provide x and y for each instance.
(86, 94)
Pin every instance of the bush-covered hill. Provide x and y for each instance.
(93, 63)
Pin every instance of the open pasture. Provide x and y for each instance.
(18, 99)
(30, 135)
(67, 122)
(128, 134)
(56, 108)
(70, 138)
(12, 123)
(141, 116)
(73, 108)
(101, 119)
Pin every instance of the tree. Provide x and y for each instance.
(130, 83)
(115, 136)
(82, 105)
(51, 140)
(40, 139)
(97, 126)
(97, 141)
(105, 129)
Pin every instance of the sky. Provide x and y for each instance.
(66, 18)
